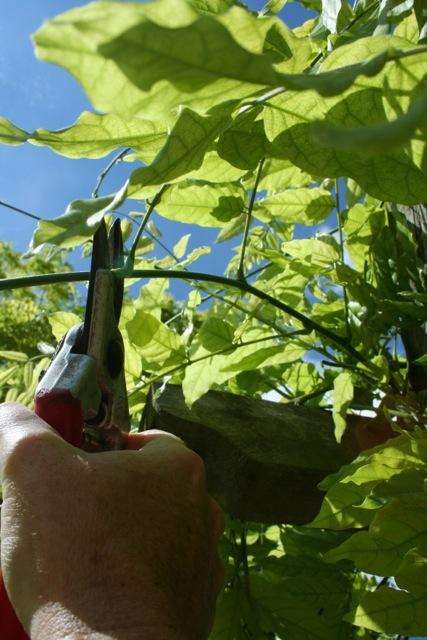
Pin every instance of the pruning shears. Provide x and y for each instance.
(82, 394)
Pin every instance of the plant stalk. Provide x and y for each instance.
(241, 268)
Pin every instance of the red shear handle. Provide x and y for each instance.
(10, 627)
(62, 412)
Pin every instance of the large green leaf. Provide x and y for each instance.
(397, 174)
(216, 334)
(306, 606)
(182, 152)
(375, 139)
(204, 205)
(306, 206)
(78, 223)
(142, 66)
(391, 611)
(150, 58)
(347, 503)
(397, 528)
(157, 343)
(93, 136)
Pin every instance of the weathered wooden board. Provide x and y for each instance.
(263, 459)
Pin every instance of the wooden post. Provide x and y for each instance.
(263, 459)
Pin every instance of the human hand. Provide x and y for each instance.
(109, 545)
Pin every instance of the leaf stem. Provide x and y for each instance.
(107, 170)
(152, 205)
(341, 237)
(80, 276)
(18, 210)
(241, 268)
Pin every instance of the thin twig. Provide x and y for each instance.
(18, 210)
(241, 268)
(341, 237)
(107, 170)
(152, 205)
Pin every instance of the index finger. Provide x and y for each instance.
(20, 426)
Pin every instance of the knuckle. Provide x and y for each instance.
(31, 453)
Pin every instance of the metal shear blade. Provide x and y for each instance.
(88, 369)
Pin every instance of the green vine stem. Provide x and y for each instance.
(152, 205)
(342, 253)
(241, 268)
(81, 276)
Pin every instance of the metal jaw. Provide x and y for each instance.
(107, 350)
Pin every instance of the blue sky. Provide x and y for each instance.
(36, 94)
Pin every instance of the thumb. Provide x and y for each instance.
(18, 427)
(140, 440)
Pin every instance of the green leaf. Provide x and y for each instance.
(408, 29)
(249, 357)
(182, 153)
(230, 614)
(345, 504)
(342, 396)
(61, 322)
(306, 606)
(7, 374)
(79, 222)
(392, 175)
(156, 342)
(192, 256)
(180, 247)
(94, 135)
(216, 334)
(243, 143)
(304, 206)
(397, 528)
(152, 296)
(375, 139)
(422, 359)
(202, 375)
(362, 226)
(320, 252)
(204, 205)
(176, 49)
(150, 58)
(13, 356)
(214, 169)
(278, 175)
(390, 611)
(11, 134)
